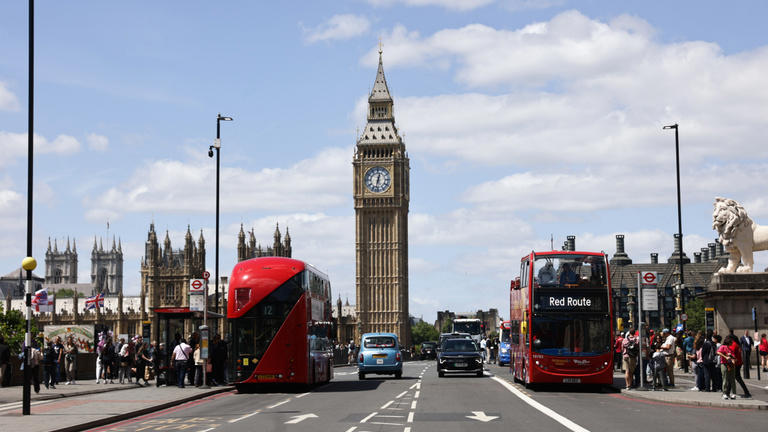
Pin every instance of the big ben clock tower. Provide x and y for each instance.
(381, 219)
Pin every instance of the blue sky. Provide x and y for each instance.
(523, 119)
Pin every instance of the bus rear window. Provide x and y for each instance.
(379, 342)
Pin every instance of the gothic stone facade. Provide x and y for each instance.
(381, 193)
(281, 248)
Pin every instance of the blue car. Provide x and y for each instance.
(379, 354)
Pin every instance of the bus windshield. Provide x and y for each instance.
(505, 334)
(570, 271)
(471, 327)
(583, 335)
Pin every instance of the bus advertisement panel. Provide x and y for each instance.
(279, 310)
(560, 319)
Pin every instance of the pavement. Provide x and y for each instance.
(682, 393)
(87, 405)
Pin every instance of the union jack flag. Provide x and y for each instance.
(92, 302)
(41, 297)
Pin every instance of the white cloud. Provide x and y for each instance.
(456, 5)
(175, 186)
(518, 5)
(97, 142)
(14, 146)
(344, 26)
(8, 100)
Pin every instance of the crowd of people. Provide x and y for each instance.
(718, 363)
(127, 361)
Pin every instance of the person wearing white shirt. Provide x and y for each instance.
(669, 350)
(180, 356)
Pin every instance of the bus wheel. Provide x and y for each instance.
(361, 375)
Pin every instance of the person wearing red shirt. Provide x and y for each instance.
(617, 348)
(735, 347)
(726, 361)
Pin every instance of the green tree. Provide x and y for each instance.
(424, 332)
(65, 293)
(447, 326)
(13, 326)
(695, 311)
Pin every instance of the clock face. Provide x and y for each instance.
(377, 179)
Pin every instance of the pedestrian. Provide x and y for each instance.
(701, 372)
(630, 350)
(49, 365)
(762, 349)
(35, 358)
(708, 358)
(218, 359)
(727, 368)
(198, 366)
(618, 347)
(746, 351)
(59, 347)
(125, 363)
(180, 358)
(70, 359)
(162, 373)
(483, 347)
(688, 350)
(351, 354)
(108, 358)
(717, 376)
(5, 361)
(738, 362)
(194, 340)
(670, 352)
(141, 360)
(658, 365)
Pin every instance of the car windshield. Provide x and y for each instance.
(471, 327)
(585, 335)
(379, 342)
(459, 345)
(428, 345)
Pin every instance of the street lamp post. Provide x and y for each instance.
(679, 216)
(29, 262)
(217, 145)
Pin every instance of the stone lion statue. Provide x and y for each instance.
(739, 235)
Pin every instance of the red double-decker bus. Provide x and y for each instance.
(560, 319)
(279, 312)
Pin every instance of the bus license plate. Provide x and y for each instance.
(572, 380)
(460, 364)
(379, 361)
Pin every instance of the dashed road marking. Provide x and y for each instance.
(301, 395)
(410, 417)
(278, 404)
(387, 404)
(245, 416)
(352, 429)
(401, 394)
(413, 404)
(416, 395)
(368, 418)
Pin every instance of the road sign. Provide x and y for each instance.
(196, 286)
(650, 299)
(206, 275)
(684, 317)
(196, 303)
(649, 278)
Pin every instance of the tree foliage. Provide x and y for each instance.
(13, 326)
(424, 332)
(695, 311)
(447, 326)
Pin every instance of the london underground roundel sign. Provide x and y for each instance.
(649, 278)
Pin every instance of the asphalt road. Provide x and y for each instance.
(421, 401)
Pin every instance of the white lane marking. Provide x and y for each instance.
(352, 429)
(245, 416)
(207, 430)
(301, 395)
(368, 418)
(391, 416)
(481, 416)
(401, 395)
(300, 418)
(555, 416)
(413, 405)
(416, 395)
(416, 386)
(410, 417)
(387, 404)
(407, 429)
(278, 404)
(388, 424)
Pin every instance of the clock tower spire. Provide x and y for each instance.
(382, 196)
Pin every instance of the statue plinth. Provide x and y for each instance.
(738, 282)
